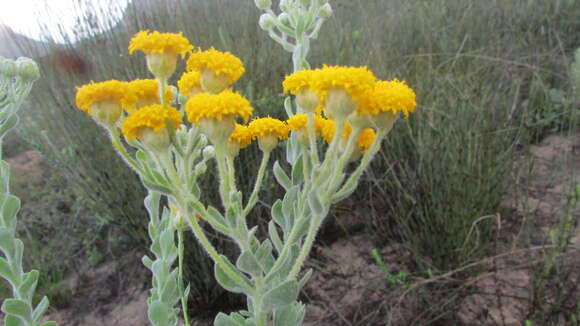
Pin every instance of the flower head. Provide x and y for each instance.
(218, 69)
(262, 127)
(190, 83)
(241, 136)
(268, 131)
(150, 118)
(300, 122)
(327, 130)
(160, 43)
(365, 139)
(298, 81)
(217, 106)
(393, 96)
(340, 88)
(105, 101)
(147, 92)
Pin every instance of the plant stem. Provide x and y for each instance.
(184, 297)
(254, 196)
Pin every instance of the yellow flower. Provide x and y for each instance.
(388, 96)
(217, 106)
(218, 69)
(105, 101)
(366, 139)
(340, 88)
(161, 49)
(241, 136)
(328, 129)
(298, 81)
(300, 122)
(160, 43)
(268, 131)
(150, 118)
(190, 83)
(262, 127)
(147, 92)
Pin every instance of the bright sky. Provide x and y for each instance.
(39, 18)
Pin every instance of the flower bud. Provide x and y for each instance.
(263, 4)
(27, 69)
(307, 100)
(267, 22)
(325, 11)
(213, 83)
(200, 168)
(8, 68)
(284, 18)
(208, 152)
(286, 5)
(155, 141)
(339, 104)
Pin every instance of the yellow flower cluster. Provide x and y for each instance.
(112, 91)
(241, 136)
(262, 127)
(217, 106)
(300, 122)
(147, 92)
(393, 96)
(154, 117)
(190, 83)
(223, 64)
(161, 43)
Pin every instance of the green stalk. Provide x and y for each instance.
(184, 297)
(257, 185)
(312, 140)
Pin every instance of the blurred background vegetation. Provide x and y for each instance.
(491, 77)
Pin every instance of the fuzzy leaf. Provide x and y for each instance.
(158, 313)
(7, 241)
(49, 323)
(10, 208)
(5, 270)
(225, 281)
(17, 308)
(40, 309)
(316, 205)
(277, 214)
(281, 296)
(282, 177)
(298, 171)
(11, 320)
(28, 285)
(305, 279)
(248, 263)
(290, 315)
(274, 236)
(224, 320)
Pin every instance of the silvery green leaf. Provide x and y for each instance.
(18, 251)
(277, 214)
(169, 291)
(292, 149)
(167, 241)
(159, 313)
(282, 177)
(160, 269)
(17, 308)
(290, 315)
(232, 217)
(48, 323)
(247, 262)
(284, 267)
(264, 255)
(40, 309)
(298, 171)
(224, 279)
(152, 203)
(303, 225)
(288, 205)
(274, 236)
(318, 208)
(11, 320)
(280, 296)
(153, 186)
(288, 106)
(10, 208)
(7, 241)
(5, 270)
(305, 278)
(187, 290)
(345, 192)
(8, 124)
(28, 285)
(217, 217)
(225, 320)
(147, 262)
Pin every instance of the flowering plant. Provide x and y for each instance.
(176, 132)
(16, 79)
